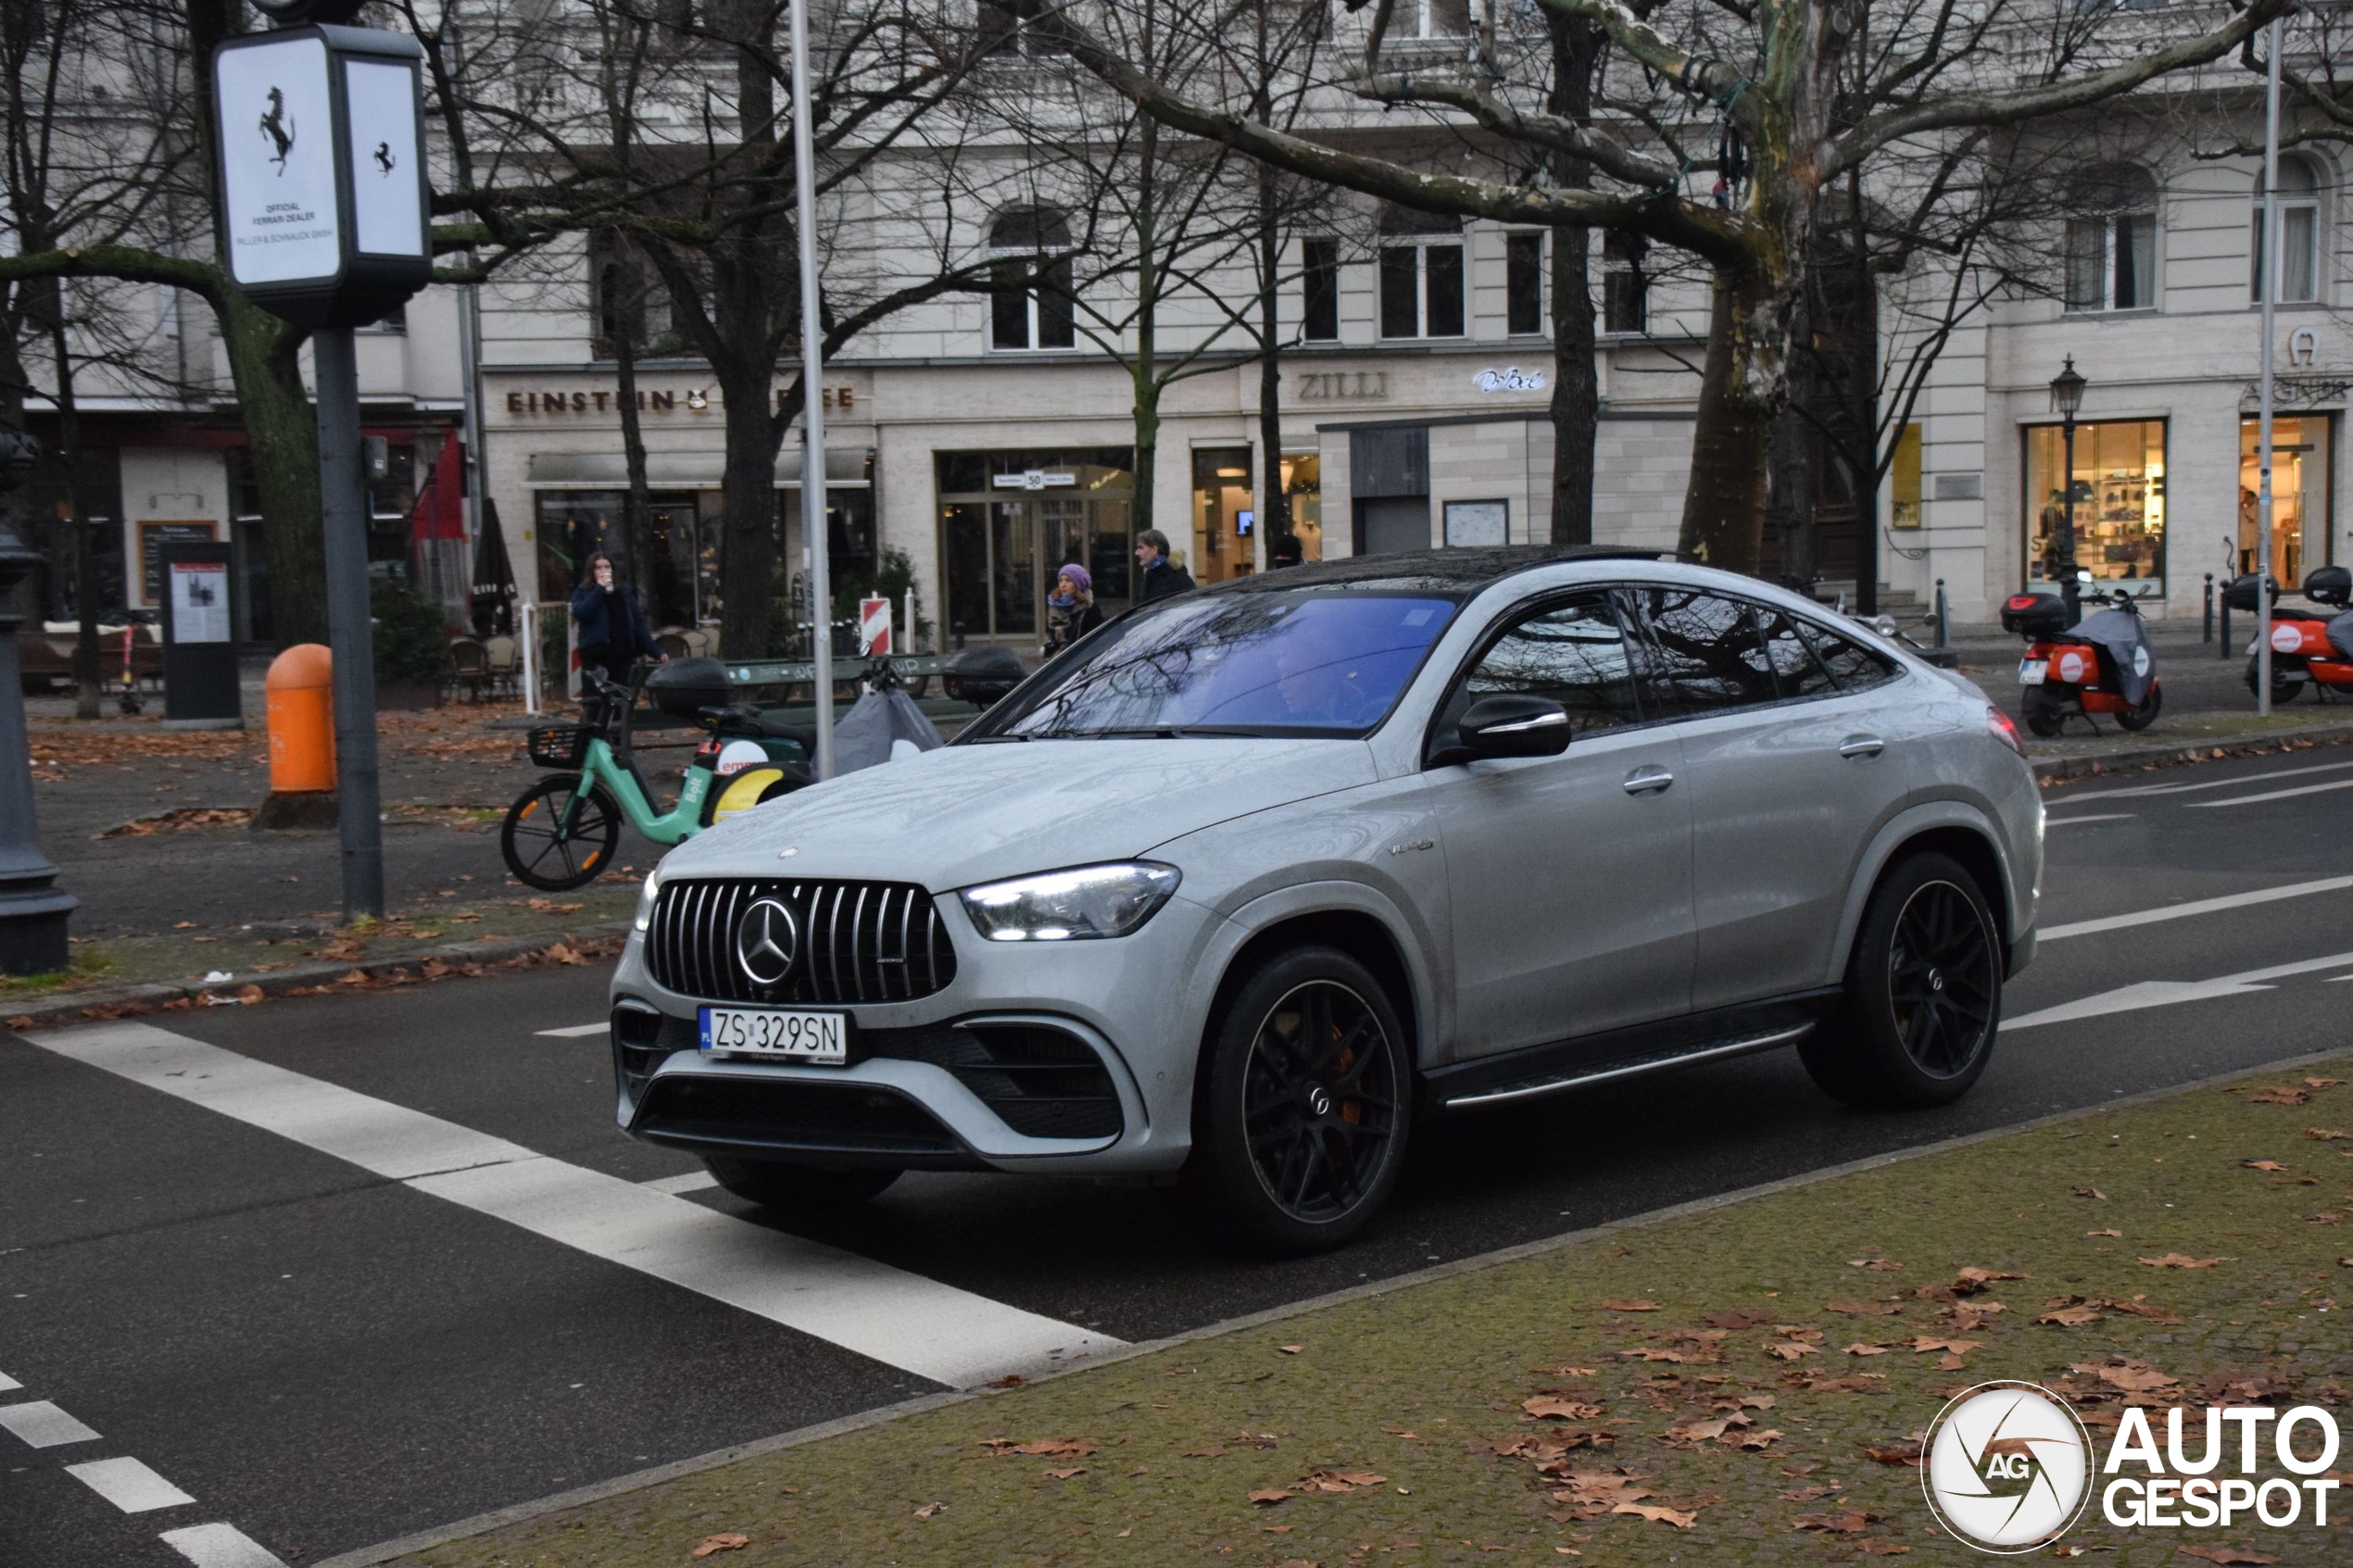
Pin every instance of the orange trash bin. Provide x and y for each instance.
(302, 721)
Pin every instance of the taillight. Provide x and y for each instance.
(2004, 728)
(2023, 601)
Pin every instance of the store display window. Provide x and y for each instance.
(2116, 528)
(2301, 502)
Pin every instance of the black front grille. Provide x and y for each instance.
(1042, 1082)
(790, 1114)
(859, 942)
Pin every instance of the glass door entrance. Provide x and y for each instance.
(1020, 519)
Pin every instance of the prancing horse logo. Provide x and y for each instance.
(765, 942)
(279, 128)
(384, 159)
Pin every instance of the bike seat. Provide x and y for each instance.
(744, 719)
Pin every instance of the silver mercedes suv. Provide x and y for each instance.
(1252, 880)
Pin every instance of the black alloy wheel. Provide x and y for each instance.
(558, 836)
(1305, 1112)
(1923, 996)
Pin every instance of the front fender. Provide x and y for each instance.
(1924, 817)
(1430, 1002)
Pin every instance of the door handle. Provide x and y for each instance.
(1648, 781)
(1861, 745)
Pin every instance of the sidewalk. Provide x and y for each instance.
(1741, 1382)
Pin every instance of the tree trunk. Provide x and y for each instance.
(637, 539)
(1145, 370)
(1273, 515)
(1860, 334)
(1740, 392)
(85, 561)
(281, 430)
(747, 489)
(1576, 409)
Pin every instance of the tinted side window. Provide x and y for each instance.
(1851, 664)
(1795, 666)
(1704, 651)
(1573, 653)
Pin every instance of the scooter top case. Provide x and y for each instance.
(2121, 635)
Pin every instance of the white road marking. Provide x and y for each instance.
(2095, 817)
(693, 1181)
(575, 1032)
(7, 1383)
(43, 1425)
(221, 1546)
(2270, 795)
(129, 1485)
(900, 1319)
(2240, 781)
(2165, 993)
(2196, 907)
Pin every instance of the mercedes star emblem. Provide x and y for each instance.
(766, 940)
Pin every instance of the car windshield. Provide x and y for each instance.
(1268, 662)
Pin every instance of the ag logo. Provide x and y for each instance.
(2009, 1467)
(765, 939)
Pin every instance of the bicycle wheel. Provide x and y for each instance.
(556, 836)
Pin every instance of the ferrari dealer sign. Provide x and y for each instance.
(323, 196)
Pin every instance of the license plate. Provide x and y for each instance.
(2032, 670)
(817, 1037)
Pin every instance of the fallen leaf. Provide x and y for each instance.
(1324, 1478)
(2183, 1260)
(930, 1511)
(1854, 1522)
(2262, 1164)
(1066, 1474)
(1750, 1442)
(1950, 1363)
(1630, 1306)
(2283, 1094)
(1877, 1265)
(1681, 1520)
(1976, 1280)
(1875, 1547)
(1290, 1350)
(728, 1542)
(2231, 1554)
(1207, 1450)
(1867, 1350)
(2134, 1377)
(1865, 1309)
(1735, 1321)
(1043, 1448)
(2323, 1083)
(2071, 1317)
(1789, 1351)
(2114, 1233)
(2327, 1135)
(1700, 1431)
(2092, 1192)
(1925, 1343)
(1267, 1497)
(1552, 1407)
(1891, 1453)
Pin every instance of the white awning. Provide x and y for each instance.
(845, 470)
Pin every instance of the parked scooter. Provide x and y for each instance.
(2306, 644)
(2102, 664)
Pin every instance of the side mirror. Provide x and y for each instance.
(2084, 574)
(1515, 726)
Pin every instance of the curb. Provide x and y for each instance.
(883, 1415)
(2250, 743)
(118, 1001)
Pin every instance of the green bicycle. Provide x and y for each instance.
(561, 832)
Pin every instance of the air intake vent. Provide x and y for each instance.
(839, 943)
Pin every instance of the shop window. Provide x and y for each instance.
(1524, 284)
(1003, 536)
(1421, 274)
(2299, 235)
(1303, 494)
(2117, 528)
(1030, 289)
(1904, 480)
(2300, 467)
(2111, 244)
(1225, 542)
(1319, 290)
(1625, 290)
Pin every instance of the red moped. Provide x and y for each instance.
(2102, 664)
(2307, 644)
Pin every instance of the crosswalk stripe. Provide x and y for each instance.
(887, 1314)
(574, 1031)
(693, 1181)
(129, 1485)
(42, 1426)
(221, 1546)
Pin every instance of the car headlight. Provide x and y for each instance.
(646, 896)
(1071, 905)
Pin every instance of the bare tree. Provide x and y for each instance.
(1950, 69)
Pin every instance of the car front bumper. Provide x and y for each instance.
(912, 1094)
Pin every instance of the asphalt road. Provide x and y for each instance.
(365, 1323)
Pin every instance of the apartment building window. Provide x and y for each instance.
(2111, 245)
(1004, 36)
(1319, 290)
(1421, 274)
(628, 297)
(1625, 289)
(1031, 303)
(1524, 284)
(2299, 235)
(1441, 18)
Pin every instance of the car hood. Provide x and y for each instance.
(964, 814)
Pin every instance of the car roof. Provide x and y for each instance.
(1457, 570)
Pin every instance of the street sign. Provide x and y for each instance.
(324, 203)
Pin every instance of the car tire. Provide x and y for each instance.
(1304, 1105)
(798, 1189)
(1923, 997)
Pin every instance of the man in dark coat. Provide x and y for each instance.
(1161, 576)
(614, 634)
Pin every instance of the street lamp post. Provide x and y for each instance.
(33, 909)
(2067, 397)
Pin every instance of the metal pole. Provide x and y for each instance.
(2205, 622)
(813, 418)
(2271, 298)
(1943, 618)
(33, 908)
(2070, 592)
(343, 507)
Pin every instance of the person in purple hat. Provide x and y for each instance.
(1070, 610)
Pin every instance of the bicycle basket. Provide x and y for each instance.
(559, 747)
